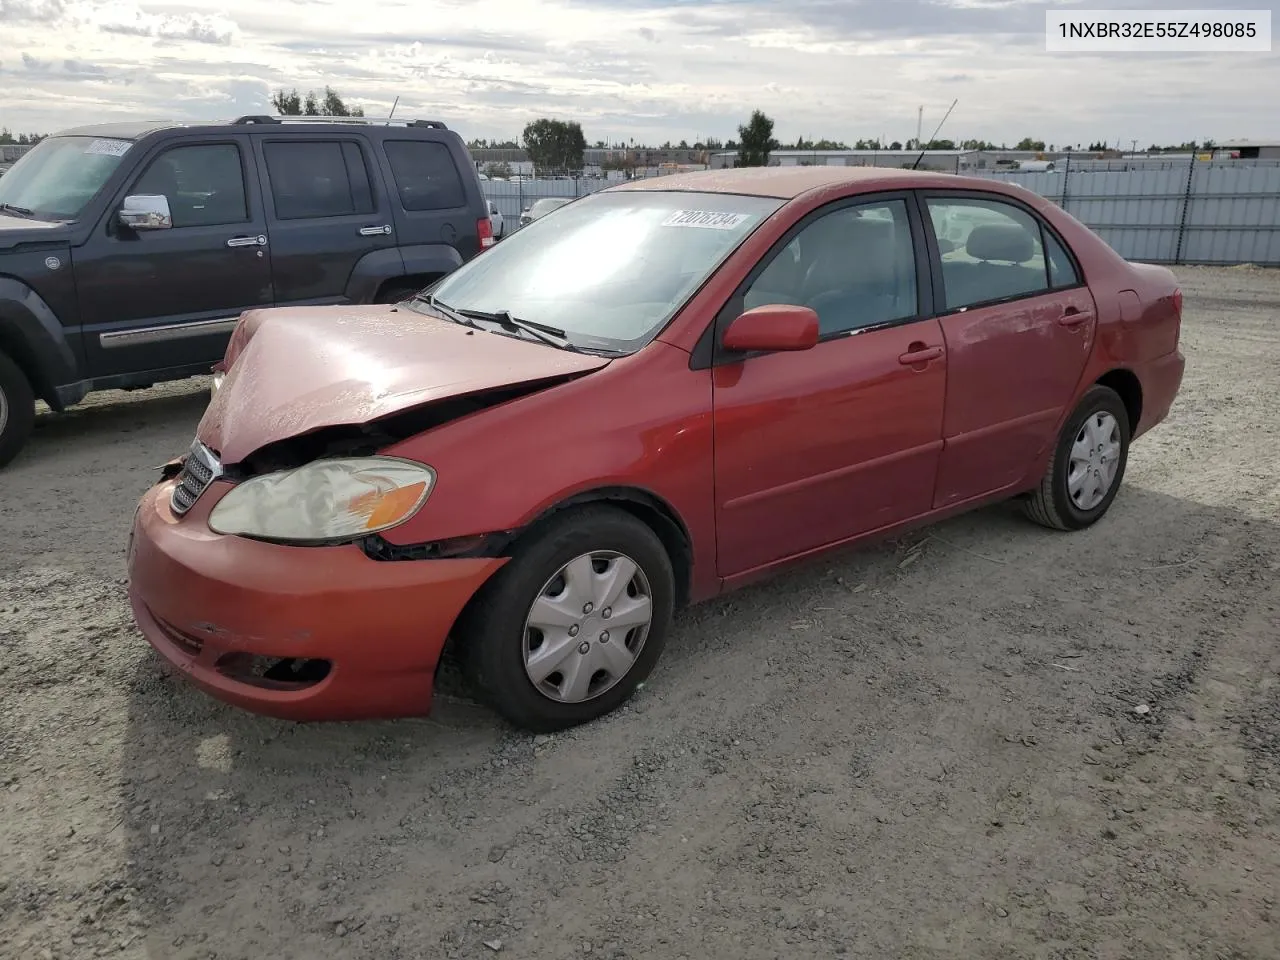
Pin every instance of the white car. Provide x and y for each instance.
(498, 222)
(540, 208)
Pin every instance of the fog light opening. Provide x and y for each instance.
(273, 673)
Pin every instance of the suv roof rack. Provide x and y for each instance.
(370, 121)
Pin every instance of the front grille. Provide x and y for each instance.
(199, 469)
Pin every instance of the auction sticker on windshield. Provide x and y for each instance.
(108, 148)
(706, 219)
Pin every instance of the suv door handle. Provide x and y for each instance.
(384, 230)
(258, 241)
(1073, 317)
(919, 353)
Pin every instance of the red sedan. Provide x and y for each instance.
(650, 396)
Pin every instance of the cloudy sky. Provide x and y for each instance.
(652, 70)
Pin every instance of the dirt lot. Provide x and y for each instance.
(925, 750)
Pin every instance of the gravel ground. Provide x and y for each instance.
(928, 749)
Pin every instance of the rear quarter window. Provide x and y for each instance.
(425, 174)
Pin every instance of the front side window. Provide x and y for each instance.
(610, 269)
(204, 184)
(855, 267)
(316, 179)
(991, 251)
(56, 179)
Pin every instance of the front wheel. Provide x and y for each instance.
(1087, 466)
(568, 630)
(17, 409)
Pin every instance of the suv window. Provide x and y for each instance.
(990, 251)
(425, 175)
(204, 184)
(854, 266)
(60, 175)
(312, 179)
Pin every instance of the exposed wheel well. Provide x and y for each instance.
(650, 510)
(1126, 384)
(25, 359)
(413, 282)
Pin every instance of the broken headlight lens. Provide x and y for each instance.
(325, 501)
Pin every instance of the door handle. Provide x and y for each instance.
(919, 353)
(384, 230)
(1073, 317)
(258, 241)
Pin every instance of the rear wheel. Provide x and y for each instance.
(17, 409)
(396, 292)
(568, 630)
(1087, 466)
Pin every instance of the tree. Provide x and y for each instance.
(555, 145)
(498, 171)
(291, 104)
(1026, 143)
(756, 140)
(896, 145)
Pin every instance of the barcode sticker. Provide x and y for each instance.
(705, 219)
(108, 148)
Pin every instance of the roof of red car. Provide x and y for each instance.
(782, 182)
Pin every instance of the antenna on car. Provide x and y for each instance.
(933, 136)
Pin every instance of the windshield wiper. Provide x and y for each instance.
(14, 208)
(547, 334)
(456, 316)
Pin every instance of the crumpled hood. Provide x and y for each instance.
(294, 370)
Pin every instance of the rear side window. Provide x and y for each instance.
(315, 179)
(425, 175)
(204, 184)
(990, 251)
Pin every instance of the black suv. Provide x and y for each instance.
(129, 250)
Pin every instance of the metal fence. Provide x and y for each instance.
(1195, 212)
(1159, 211)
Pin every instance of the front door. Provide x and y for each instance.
(816, 447)
(1019, 324)
(159, 300)
(325, 215)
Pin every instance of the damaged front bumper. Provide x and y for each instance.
(300, 633)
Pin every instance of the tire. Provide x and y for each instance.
(1052, 504)
(17, 410)
(497, 637)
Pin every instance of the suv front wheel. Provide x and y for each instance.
(17, 409)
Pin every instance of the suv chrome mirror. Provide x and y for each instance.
(146, 212)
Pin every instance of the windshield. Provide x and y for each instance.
(610, 269)
(58, 177)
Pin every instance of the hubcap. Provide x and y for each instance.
(587, 627)
(1095, 460)
(4, 412)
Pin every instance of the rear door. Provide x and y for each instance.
(324, 214)
(157, 300)
(434, 207)
(1019, 322)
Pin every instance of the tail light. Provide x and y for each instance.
(485, 229)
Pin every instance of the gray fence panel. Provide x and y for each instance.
(1233, 216)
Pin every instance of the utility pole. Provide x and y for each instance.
(919, 125)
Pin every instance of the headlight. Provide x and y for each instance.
(328, 500)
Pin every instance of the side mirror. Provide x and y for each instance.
(773, 327)
(493, 208)
(146, 212)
